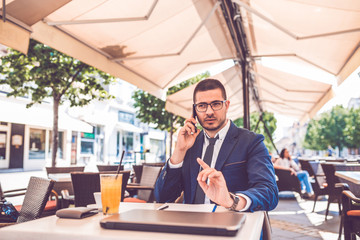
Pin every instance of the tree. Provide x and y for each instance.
(151, 109)
(352, 129)
(47, 73)
(332, 127)
(270, 122)
(327, 130)
(313, 139)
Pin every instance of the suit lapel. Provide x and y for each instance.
(227, 146)
(194, 166)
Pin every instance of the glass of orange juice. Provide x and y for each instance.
(110, 192)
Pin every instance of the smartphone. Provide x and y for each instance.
(194, 116)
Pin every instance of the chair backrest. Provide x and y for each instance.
(36, 196)
(138, 172)
(350, 215)
(86, 183)
(105, 168)
(329, 171)
(51, 170)
(314, 169)
(148, 178)
(286, 181)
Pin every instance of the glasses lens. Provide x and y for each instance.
(201, 107)
(216, 105)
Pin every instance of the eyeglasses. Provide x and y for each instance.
(215, 105)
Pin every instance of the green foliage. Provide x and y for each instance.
(152, 109)
(45, 72)
(187, 83)
(313, 139)
(352, 129)
(270, 122)
(328, 129)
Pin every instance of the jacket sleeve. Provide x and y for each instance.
(262, 188)
(168, 186)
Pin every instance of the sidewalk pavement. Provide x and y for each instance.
(291, 219)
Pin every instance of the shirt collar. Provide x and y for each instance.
(222, 133)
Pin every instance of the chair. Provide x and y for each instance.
(319, 183)
(350, 215)
(52, 205)
(286, 181)
(138, 172)
(86, 183)
(64, 189)
(334, 186)
(148, 178)
(36, 197)
(105, 168)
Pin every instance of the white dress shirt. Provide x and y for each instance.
(222, 134)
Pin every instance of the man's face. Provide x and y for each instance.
(211, 120)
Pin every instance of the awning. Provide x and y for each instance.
(14, 36)
(38, 116)
(128, 127)
(324, 34)
(156, 44)
(289, 94)
(151, 44)
(279, 92)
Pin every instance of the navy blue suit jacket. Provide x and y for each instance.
(243, 160)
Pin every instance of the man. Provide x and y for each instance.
(239, 175)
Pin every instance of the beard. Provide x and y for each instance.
(212, 127)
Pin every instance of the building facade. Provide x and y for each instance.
(97, 133)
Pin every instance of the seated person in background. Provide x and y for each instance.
(285, 162)
(239, 174)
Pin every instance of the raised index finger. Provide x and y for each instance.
(202, 163)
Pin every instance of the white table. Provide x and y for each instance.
(54, 228)
(352, 176)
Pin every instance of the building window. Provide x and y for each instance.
(128, 143)
(87, 142)
(59, 153)
(126, 117)
(87, 146)
(37, 144)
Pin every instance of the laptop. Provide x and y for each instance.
(206, 223)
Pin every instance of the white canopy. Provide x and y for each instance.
(281, 92)
(156, 44)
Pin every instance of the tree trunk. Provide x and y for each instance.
(55, 135)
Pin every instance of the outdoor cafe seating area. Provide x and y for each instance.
(336, 186)
(335, 181)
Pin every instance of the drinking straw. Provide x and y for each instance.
(119, 167)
